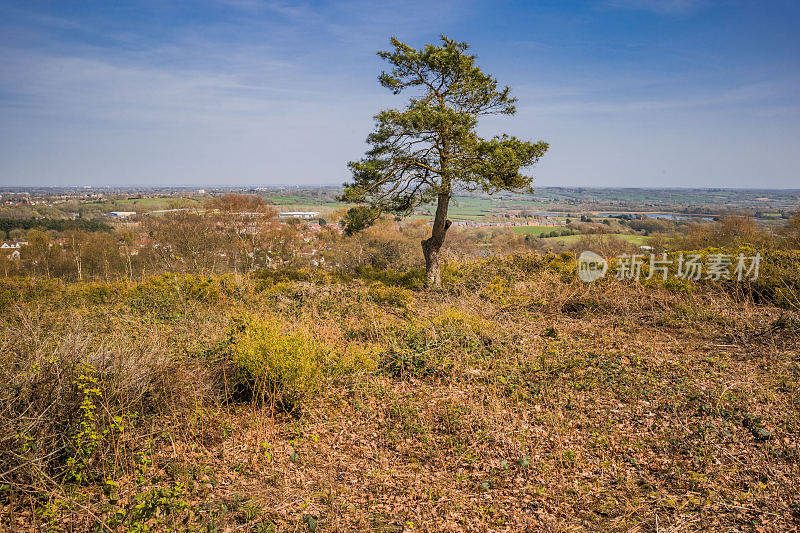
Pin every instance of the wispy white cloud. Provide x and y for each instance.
(664, 7)
(133, 95)
(604, 99)
(252, 68)
(246, 90)
(42, 19)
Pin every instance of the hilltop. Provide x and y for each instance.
(516, 397)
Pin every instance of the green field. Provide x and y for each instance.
(144, 204)
(322, 208)
(569, 239)
(575, 201)
(535, 230)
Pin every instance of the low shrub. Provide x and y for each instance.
(163, 295)
(267, 276)
(281, 367)
(413, 279)
(779, 279)
(276, 367)
(393, 296)
(95, 293)
(20, 289)
(68, 391)
(420, 347)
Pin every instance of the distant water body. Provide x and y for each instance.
(666, 216)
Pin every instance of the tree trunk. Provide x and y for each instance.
(432, 245)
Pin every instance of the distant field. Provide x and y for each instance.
(578, 201)
(571, 203)
(322, 208)
(288, 200)
(464, 208)
(535, 230)
(570, 239)
(144, 204)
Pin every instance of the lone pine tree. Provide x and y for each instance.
(429, 149)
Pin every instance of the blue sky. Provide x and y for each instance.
(640, 93)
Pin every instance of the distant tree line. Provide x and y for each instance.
(80, 224)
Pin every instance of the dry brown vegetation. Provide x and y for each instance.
(514, 399)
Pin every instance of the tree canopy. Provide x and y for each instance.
(430, 148)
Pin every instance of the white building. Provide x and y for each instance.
(305, 215)
(122, 214)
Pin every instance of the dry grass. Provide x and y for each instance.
(515, 399)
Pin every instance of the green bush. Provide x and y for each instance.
(430, 347)
(393, 296)
(778, 279)
(277, 367)
(676, 285)
(413, 279)
(163, 295)
(269, 276)
(95, 293)
(19, 289)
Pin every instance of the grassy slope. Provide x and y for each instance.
(633, 239)
(568, 239)
(533, 230)
(532, 402)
